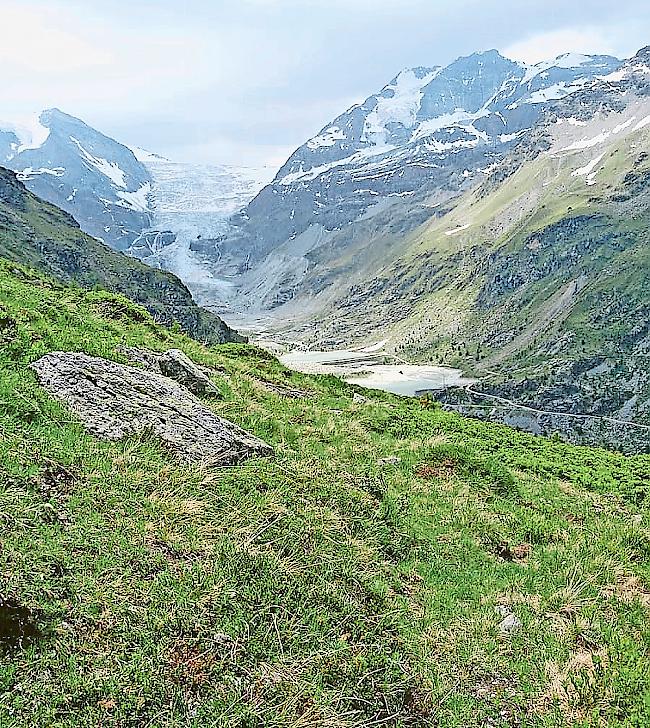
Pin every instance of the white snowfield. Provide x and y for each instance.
(588, 170)
(140, 200)
(144, 155)
(401, 108)
(567, 61)
(29, 172)
(398, 107)
(327, 139)
(555, 92)
(29, 130)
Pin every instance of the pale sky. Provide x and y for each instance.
(247, 81)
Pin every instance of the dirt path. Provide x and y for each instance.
(514, 405)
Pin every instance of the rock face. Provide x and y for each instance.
(114, 401)
(175, 365)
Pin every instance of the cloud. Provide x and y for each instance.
(545, 46)
(35, 40)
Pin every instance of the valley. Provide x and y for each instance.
(324, 376)
(478, 226)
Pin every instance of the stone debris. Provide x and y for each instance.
(176, 365)
(510, 623)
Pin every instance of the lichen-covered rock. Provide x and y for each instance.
(148, 358)
(113, 400)
(178, 366)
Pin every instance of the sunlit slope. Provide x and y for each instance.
(544, 266)
(391, 564)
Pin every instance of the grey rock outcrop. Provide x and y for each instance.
(175, 365)
(178, 366)
(113, 401)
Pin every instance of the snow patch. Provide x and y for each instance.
(457, 230)
(568, 61)
(555, 92)
(588, 143)
(621, 127)
(614, 77)
(143, 155)
(29, 173)
(588, 170)
(642, 124)
(30, 132)
(303, 175)
(401, 108)
(138, 200)
(108, 169)
(328, 138)
(605, 135)
(444, 121)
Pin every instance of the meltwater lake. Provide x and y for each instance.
(367, 368)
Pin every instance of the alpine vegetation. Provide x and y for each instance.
(315, 417)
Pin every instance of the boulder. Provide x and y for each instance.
(145, 357)
(178, 366)
(113, 401)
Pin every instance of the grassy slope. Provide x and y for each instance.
(36, 233)
(318, 588)
(434, 279)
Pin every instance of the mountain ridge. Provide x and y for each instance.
(40, 235)
(410, 143)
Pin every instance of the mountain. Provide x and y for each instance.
(89, 175)
(425, 138)
(134, 200)
(38, 234)
(537, 279)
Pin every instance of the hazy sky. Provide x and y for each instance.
(247, 81)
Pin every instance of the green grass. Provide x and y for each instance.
(326, 586)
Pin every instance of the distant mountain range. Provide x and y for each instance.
(135, 201)
(489, 215)
(430, 134)
(536, 277)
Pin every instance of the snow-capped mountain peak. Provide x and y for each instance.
(93, 177)
(29, 131)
